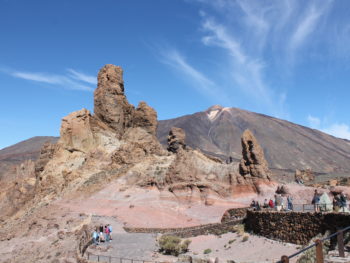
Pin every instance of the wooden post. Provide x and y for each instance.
(284, 259)
(88, 255)
(110, 259)
(319, 251)
(98, 258)
(303, 207)
(340, 239)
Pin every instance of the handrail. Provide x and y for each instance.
(316, 243)
(121, 259)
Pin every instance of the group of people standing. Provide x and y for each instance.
(340, 202)
(102, 234)
(278, 203)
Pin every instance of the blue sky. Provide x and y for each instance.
(284, 58)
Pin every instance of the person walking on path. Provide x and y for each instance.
(316, 201)
(271, 203)
(290, 203)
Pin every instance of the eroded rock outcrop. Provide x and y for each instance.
(253, 162)
(112, 107)
(46, 154)
(176, 140)
(145, 117)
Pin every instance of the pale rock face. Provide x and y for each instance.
(76, 133)
(80, 131)
(253, 162)
(145, 117)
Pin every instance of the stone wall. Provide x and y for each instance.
(185, 232)
(294, 227)
(234, 213)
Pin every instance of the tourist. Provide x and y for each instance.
(316, 201)
(252, 204)
(101, 237)
(95, 237)
(336, 203)
(271, 203)
(278, 202)
(283, 208)
(107, 233)
(110, 231)
(290, 203)
(342, 202)
(266, 204)
(257, 206)
(101, 228)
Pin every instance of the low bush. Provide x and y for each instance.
(207, 251)
(172, 245)
(245, 238)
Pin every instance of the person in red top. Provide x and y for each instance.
(107, 233)
(271, 204)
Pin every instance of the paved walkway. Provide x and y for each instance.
(138, 246)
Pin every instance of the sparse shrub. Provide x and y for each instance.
(231, 241)
(239, 229)
(172, 245)
(207, 251)
(245, 238)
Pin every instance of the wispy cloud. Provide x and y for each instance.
(203, 84)
(82, 77)
(307, 24)
(74, 80)
(340, 130)
(314, 122)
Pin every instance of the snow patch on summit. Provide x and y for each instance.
(212, 114)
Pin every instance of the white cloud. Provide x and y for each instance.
(307, 24)
(314, 122)
(75, 81)
(339, 130)
(82, 77)
(203, 84)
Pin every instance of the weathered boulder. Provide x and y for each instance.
(176, 139)
(145, 117)
(253, 162)
(304, 175)
(76, 133)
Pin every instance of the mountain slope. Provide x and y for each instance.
(24, 150)
(286, 145)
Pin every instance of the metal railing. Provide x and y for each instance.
(111, 259)
(328, 207)
(319, 247)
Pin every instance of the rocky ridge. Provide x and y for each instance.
(119, 140)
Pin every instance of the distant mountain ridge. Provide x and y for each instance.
(217, 131)
(24, 150)
(286, 145)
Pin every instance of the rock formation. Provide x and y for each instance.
(110, 103)
(253, 162)
(176, 139)
(112, 107)
(145, 117)
(304, 176)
